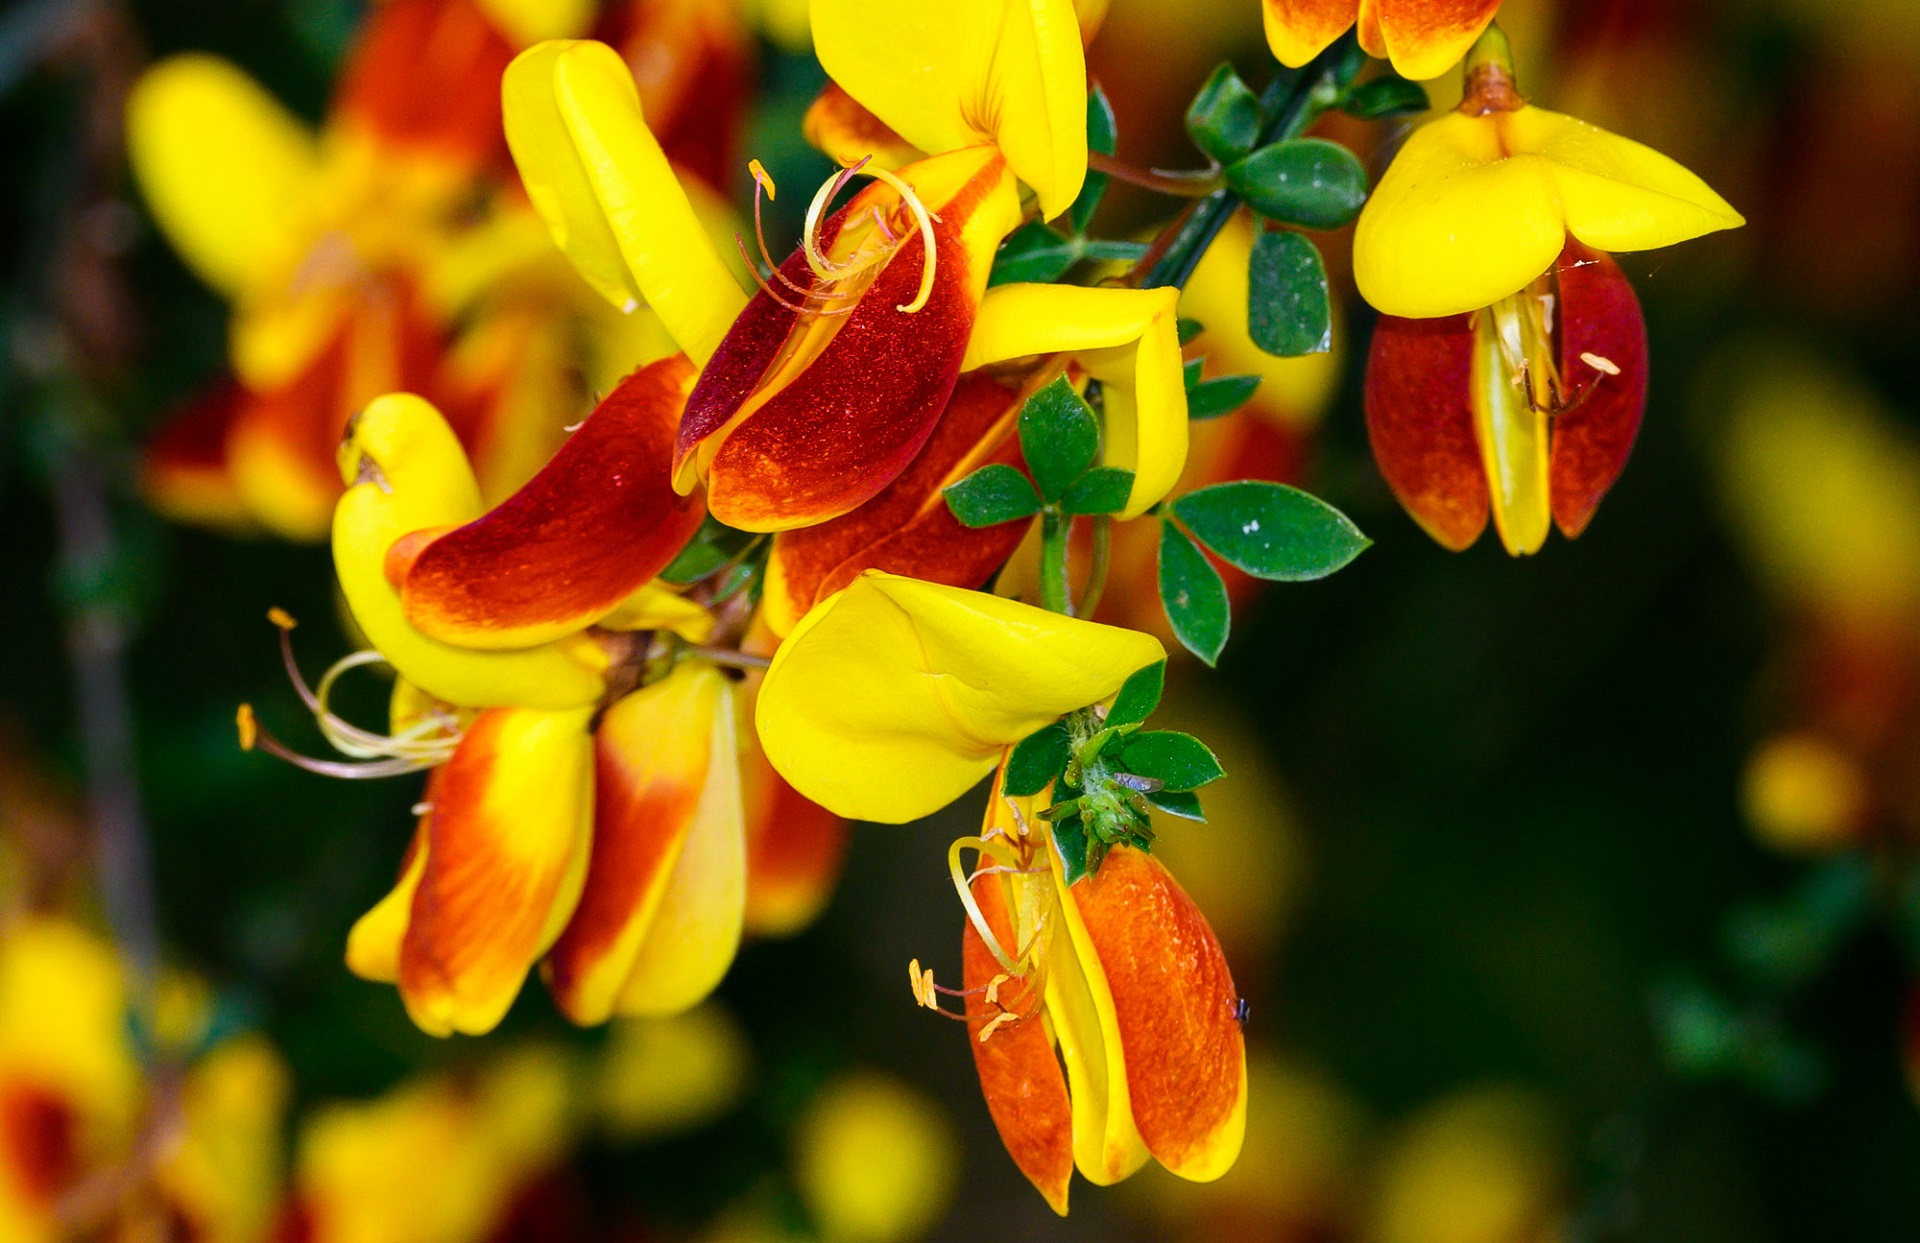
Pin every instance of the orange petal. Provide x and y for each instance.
(1421, 424)
(506, 842)
(589, 530)
(1019, 1073)
(184, 471)
(799, 418)
(1299, 30)
(426, 74)
(1425, 38)
(841, 126)
(1600, 322)
(655, 766)
(1174, 1001)
(908, 529)
(795, 848)
(373, 944)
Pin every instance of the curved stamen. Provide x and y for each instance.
(769, 290)
(826, 269)
(963, 886)
(427, 742)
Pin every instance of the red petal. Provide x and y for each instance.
(1174, 1001)
(835, 407)
(1591, 441)
(40, 1131)
(908, 529)
(184, 472)
(1020, 1076)
(426, 73)
(698, 61)
(1429, 36)
(1421, 424)
(592, 527)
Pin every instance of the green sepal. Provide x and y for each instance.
(1101, 490)
(1224, 118)
(1037, 759)
(1035, 252)
(1210, 399)
(1308, 182)
(1059, 437)
(712, 547)
(1188, 329)
(1071, 839)
(994, 494)
(1139, 695)
(1179, 760)
(1289, 311)
(1102, 136)
(1390, 96)
(1193, 594)
(1270, 530)
(1182, 803)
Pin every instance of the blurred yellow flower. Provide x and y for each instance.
(874, 1160)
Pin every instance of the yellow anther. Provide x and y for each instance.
(249, 728)
(993, 988)
(762, 178)
(995, 1024)
(281, 618)
(1598, 363)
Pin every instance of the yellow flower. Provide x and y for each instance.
(1480, 203)
(893, 697)
(874, 1160)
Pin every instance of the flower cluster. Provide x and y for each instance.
(744, 600)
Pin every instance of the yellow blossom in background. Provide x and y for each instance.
(1483, 1165)
(657, 1077)
(875, 1161)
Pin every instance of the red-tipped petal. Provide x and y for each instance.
(799, 418)
(1298, 30)
(426, 74)
(1601, 325)
(1421, 424)
(591, 528)
(506, 848)
(1020, 1075)
(1425, 38)
(841, 126)
(795, 848)
(908, 529)
(1174, 1001)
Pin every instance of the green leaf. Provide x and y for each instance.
(1190, 372)
(1182, 803)
(1038, 759)
(992, 495)
(1139, 695)
(1180, 760)
(1270, 530)
(1210, 399)
(1289, 312)
(1224, 118)
(1102, 490)
(712, 546)
(1101, 137)
(1308, 182)
(1193, 594)
(1113, 252)
(1059, 438)
(1189, 329)
(1390, 96)
(1070, 838)
(1034, 252)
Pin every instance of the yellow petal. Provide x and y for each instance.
(526, 22)
(1618, 195)
(405, 471)
(1009, 72)
(373, 943)
(221, 163)
(1106, 1145)
(894, 696)
(1474, 208)
(1453, 226)
(598, 178)
(1126, 338)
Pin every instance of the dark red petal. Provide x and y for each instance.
(1591, 440)
(1421, 424)
(592, 527)
(426, 74)
(908, 529)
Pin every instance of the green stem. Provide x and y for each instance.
(1294, 100)
(1097, 568)
(1055, 595)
